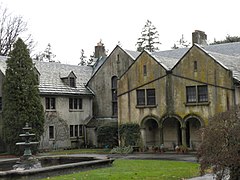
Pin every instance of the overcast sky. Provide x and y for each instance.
(72, 25)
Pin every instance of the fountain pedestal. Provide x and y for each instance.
(27, 161)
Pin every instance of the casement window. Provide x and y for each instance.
(51, 132)
(50, 103)
(114, 96)
(197, 94)
(151, 100)
(75, 103)
(76, 130)
(146, 97)
(141, 97)
(72, 82)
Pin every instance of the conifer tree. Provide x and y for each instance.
(149, 39)
(21, 100)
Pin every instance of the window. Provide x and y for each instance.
(141, 97)
(202, 93)
(72, 82)
(71, 130)
(51, 132)
(50, 103)
(144, 96)
(75, 103)
(195, 65)
(144, 70)
(197, 94)
(76, 130)
(151, 97)
(191, 94)
(114, 96)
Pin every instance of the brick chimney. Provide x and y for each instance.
(199, 37)
(100, 50)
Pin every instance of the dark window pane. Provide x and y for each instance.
(141, 97)
(115, 109)
(72, 82)
(151, 100)
(195, 65)
(191, 94)
(52, 103)
(80, 130)
(144, 70)
(80, 103)
(76, 130)
(75, 103)
(114, 82)
(0, 103)
(114, 95)
(47, 101)
(71, 130)
(51, 132)
(202, 94)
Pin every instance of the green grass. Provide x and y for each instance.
(79, 151)
(138, 169)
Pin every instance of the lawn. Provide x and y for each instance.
(138, 169)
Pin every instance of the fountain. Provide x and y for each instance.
(27, 161)
(28, 167)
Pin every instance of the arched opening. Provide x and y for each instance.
(172, 133)
(152, 133)
(193, 135)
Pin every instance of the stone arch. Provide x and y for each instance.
(171, 128)
(150, 131)
(193, 123)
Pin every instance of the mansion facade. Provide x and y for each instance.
(170, 94)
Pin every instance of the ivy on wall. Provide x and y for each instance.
(129, 134)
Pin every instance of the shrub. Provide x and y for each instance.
(129, 134)
(122, 150)
(107, 136)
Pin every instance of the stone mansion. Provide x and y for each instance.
(170, 94)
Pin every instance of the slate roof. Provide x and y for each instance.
(51, 82)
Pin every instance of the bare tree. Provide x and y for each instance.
(11, 27)
(220, 148)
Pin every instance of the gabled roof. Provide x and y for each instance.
(51, 82)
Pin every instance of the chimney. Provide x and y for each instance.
(100, 50)
(199, 37)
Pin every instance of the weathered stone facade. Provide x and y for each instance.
(174, 119)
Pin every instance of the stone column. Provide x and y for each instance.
(161, 135)
(184, 141)
(143, 136)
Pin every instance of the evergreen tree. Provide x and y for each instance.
(149, 39)
(228, 39)
(182, 43)
(21, 100)
(83, 60)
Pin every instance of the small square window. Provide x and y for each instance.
(191, 94)
(50, 103)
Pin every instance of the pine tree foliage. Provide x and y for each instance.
(21, 100)
(182, 43)
(228, 39)
(149, 39)
(83, 60)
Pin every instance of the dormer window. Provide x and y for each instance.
(72, 82)
(69, 79)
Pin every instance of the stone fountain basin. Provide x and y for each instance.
(54, 165)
